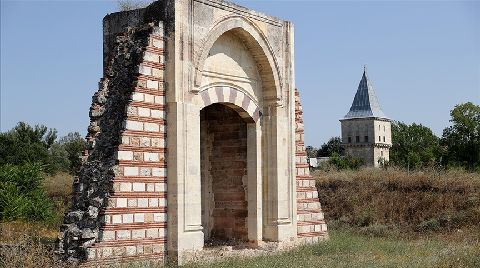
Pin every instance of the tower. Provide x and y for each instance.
(366, 131)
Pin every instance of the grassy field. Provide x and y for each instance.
(377, 218)
(349, 249)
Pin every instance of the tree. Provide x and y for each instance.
(38, 144)
(462, 139)
(26, 144)
(74, 145)
(311, 151)
(414, 146)
(334, 145)
(345, 162)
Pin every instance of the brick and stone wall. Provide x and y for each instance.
(119, 204)
(224, 171)
(215, 126)
(311, 226)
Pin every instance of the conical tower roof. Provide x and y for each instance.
(365, 104)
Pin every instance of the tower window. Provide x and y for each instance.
(349, 139)
(383, 138)
(357, 138)
(383, 128)
(381, 152)
(366, 138)
(379, 138)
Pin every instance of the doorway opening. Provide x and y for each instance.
(223, 151)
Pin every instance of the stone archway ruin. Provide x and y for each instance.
(173, 73)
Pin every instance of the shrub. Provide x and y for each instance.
(421, 201)
(345, 162)
(21, 194)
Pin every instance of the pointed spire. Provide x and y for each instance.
(365, 104)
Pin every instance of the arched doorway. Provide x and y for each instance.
(235, 68)
(224, 174)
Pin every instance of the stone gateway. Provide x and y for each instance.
(196, 135)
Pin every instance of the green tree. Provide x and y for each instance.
(26, 144)
(345, 162)
(414, 146)
(334, 145)
(74, 145)
(462, 139)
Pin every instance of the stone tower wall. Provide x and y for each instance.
(311, 226)
(119, 204)
(377, 144)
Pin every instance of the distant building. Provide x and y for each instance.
(366, 131)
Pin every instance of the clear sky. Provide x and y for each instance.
(423, 57)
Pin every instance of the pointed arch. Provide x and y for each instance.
(256, 42)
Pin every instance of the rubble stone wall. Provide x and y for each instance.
(119, 203)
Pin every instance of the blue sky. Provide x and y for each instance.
(423, 57)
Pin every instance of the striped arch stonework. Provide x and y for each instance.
(243, 104)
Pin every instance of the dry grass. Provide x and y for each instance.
(27, 245)
(31, 244)
(374, 215)
(59, 189)
(389, 200)
(349, 249)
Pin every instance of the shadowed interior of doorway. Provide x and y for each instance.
(224, 175)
